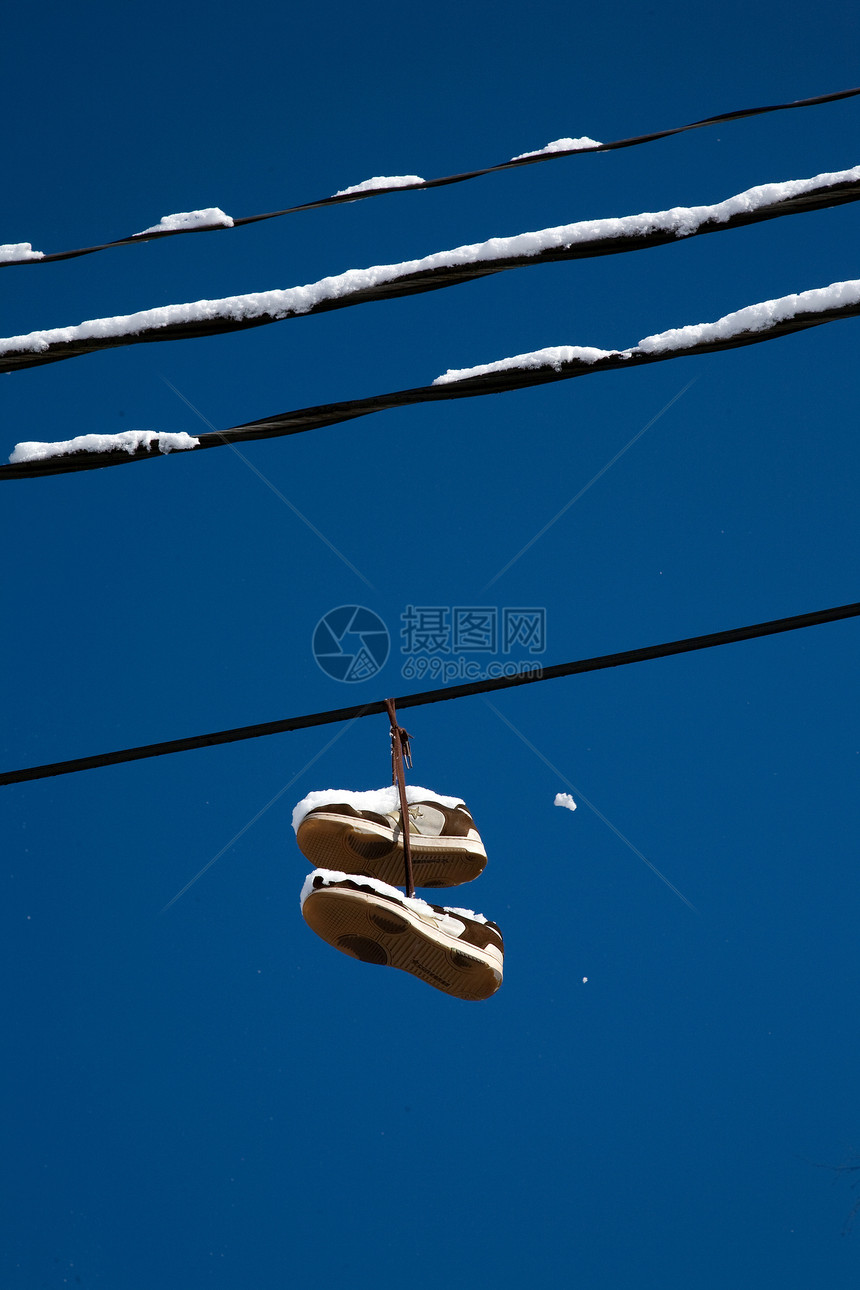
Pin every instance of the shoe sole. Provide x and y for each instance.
(376, 930)
(357, 846)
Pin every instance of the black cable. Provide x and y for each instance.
(447, 179)
(412, 283)
(540, 673)
(497, 382)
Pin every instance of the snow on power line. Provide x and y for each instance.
(493, 255)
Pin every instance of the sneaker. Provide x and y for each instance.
(453, 950)
(361, 833)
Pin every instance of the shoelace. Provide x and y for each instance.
(400, 753)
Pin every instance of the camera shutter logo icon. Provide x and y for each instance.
(351, 643)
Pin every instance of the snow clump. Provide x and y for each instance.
(212, 216)
(381, 181)
(561, 145)
(128, 440)
(11, 252)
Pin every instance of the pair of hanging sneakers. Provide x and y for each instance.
(351, 899)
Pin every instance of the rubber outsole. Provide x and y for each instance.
(352, 845)
(376, 930)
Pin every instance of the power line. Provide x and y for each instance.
(499, 381)
(581, 240)
(540, 673)
(513, 163)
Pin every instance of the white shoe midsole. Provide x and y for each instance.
(418, 841)
(427, 924)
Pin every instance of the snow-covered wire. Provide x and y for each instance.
(213, 218)
(767, 320)
(582, 240)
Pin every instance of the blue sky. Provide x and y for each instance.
(210, 1096)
